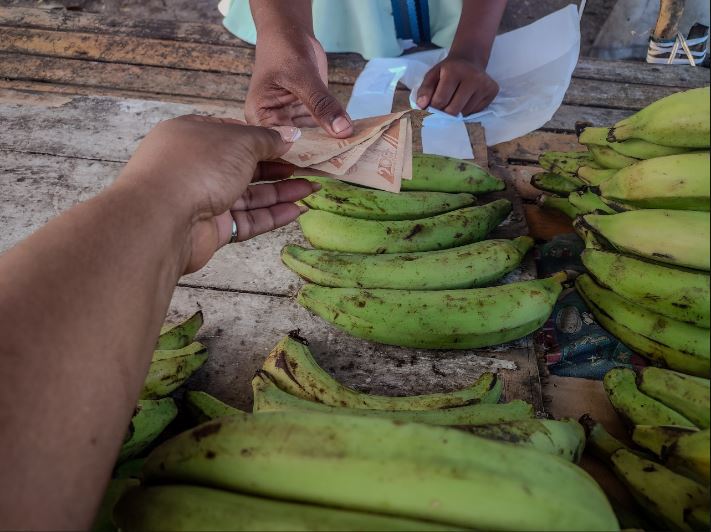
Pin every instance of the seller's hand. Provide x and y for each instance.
(200, 168)
(289, 86)
(457, 85)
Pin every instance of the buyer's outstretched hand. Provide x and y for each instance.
(204, 166)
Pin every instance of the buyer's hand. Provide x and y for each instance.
(457, 85)
(204, 166)
(289, 86)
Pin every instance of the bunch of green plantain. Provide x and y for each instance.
(667, 469)
(412, 269)
(656, 158)
(317, 455)
(643, 206)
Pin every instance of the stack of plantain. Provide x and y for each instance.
(667, 468)
(645, 214)
(175, 358)
(411, 269)
(317, 455)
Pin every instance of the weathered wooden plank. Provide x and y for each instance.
(643, 73)
(83, 21)
(343, 68)
(614, 95)
(567, 115)
(241, 329)
(86, 127)
(206, 33)
(167, 82)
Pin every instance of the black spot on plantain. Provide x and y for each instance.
(245, 452)
(680, 305)
(206, 430)
(662, 255)
(210, 455)
(462, 167)
(458, 235)
(649, 469)
(389, 230)
(417, 228)
(296, 335)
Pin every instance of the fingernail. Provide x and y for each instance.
(288, 133)
(422, 102)
(315, 186)
(340, 124)
(303, 208)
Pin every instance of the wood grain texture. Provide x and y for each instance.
(216, 34)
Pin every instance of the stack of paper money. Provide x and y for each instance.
(377, 155)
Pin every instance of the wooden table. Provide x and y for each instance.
(77, 93)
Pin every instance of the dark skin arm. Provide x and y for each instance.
(459, 83)
(82, 301)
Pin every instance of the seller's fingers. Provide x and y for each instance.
(255, 222)
(324, 107)
(266, 194)
(445, 90)
(427, 89)
(461, 97)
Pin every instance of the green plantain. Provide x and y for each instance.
(679, 294)
(150, 418)
(466, 266)
(325, 230)
(435, 173)
(681, 119)
(679, 392)
(674, 237)
(177, 336)
(293, 368)
(376, 465)
(269, 398)
(358, 202)
(443, 319)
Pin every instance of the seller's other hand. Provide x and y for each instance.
(457, 85)
(201, 169)
(289, 86)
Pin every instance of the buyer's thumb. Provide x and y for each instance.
(325, 109)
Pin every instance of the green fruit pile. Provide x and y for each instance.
(412, 269)
(640, 196)
(317, 455)
(667, 470)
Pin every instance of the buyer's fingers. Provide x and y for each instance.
(267, 194)
(257, 221)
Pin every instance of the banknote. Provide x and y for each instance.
(378, 155)
(316, 146)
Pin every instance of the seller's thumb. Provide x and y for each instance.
(325, 109)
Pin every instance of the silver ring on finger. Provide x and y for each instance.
(233, 236)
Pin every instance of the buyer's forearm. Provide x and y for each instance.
(283, 16)
(477, 29)
(68, 294)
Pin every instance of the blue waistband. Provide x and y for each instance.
(412, 20)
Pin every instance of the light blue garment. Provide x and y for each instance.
(365, 27)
